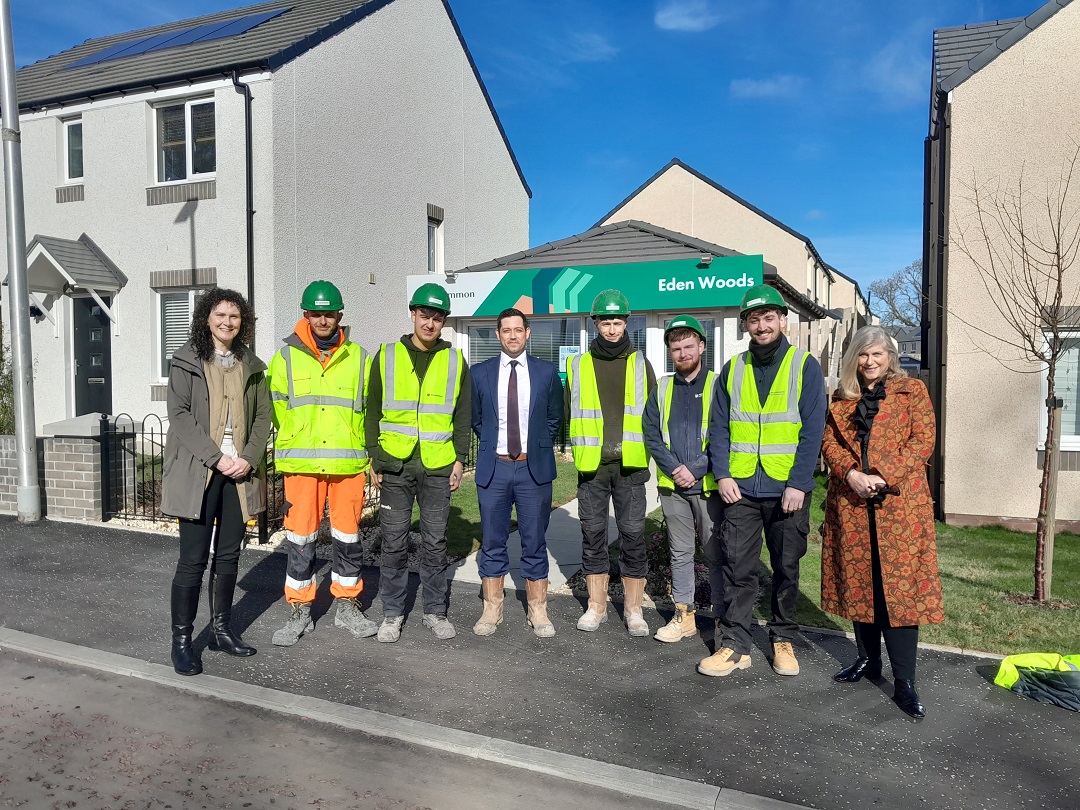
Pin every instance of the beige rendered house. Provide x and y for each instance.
(1005, 104)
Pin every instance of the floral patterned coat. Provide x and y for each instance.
(901, 441)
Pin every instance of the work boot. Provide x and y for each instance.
(352, 618)
(723, 662)
(492, 589)
(184, 604)
(682, 625)
(536, 591)
(596, 615)
(222, 638)
(299, 624)
(908, 699)
(438, 624)
(390, 629)
(784, 661)
(633, 595)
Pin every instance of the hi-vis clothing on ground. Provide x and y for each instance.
(587, 417)
(1045, 677)
(663, 401)
(419, 412)
(767, 433)
(319, 400)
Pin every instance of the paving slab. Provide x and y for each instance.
(601, 696)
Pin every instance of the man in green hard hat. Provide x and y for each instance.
(676, 427)
(317, 385)
(419, 428)
(606, 391)
(765, 431)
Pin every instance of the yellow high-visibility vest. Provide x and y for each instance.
(413, 412)
(767, 434)
(663, 400)
(587, 418)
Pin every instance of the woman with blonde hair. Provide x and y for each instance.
(879, 553)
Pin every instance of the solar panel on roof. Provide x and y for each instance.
(184, 36)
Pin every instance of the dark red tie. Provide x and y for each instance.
(513, 424)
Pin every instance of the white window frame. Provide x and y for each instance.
(435, 265)
(189, 143)
(158, 341)
(68, 124)
(1068, 443)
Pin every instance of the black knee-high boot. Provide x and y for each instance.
(185, 604)
(222, 637)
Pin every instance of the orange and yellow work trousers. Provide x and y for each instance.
(305, 499)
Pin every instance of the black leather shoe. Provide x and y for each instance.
(222, 638)
(908, 699)
(862, 668)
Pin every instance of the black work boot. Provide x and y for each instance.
(908, 699)
(222, 637)
(185, 603)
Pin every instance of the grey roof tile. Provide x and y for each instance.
(83, 261)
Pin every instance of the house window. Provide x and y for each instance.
(73, 150)
(186, 141)
(175, 309)
(434, 246)
(709, 360)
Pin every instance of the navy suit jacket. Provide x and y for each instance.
(545, 417)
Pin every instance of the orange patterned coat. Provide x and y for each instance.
(901, 442)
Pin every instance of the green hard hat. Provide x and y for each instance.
(321, 296)
(431, 296)
(685, 322)
(762, 296)
(610, 302)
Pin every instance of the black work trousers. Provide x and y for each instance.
(221, 502)
(626, 489)
(432, 495)
(745, 521)
(902, 642)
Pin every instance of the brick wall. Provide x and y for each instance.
(69, 474)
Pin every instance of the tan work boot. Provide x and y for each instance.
(783, 660)
(492, 589)
(596, 615)
(682, 625)
(723, 662)
(634, 594)
(536, 591)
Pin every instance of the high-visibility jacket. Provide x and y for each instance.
(767, 434)
(587, 417)
(663, 402)
(319, 411)
(413, 411)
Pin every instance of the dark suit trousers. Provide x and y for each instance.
(513, 486)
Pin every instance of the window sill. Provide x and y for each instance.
(72, 193)
(181, 192)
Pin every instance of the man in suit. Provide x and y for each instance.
(517, 405)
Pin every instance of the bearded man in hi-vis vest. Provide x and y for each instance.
(765, 432)
(606, 390)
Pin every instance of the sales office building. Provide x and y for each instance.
(662, 274)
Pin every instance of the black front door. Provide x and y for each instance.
(93, 357)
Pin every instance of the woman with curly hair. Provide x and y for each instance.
(878, 548)
(219, 423)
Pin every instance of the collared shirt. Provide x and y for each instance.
(523, 399)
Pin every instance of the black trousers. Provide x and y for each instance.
(745, 521)
(221, 503)
(902, 643)
(626, 489)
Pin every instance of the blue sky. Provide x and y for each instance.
(815, 111)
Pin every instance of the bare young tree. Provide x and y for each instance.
(898, 297)
(1023, 244)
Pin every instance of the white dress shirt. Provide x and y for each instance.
(523, 400)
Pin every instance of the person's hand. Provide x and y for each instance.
(683, 477)
(456, 475)
(729, 490)
(792, 500)
(225, 465)
(377, 478)
(241, 468)
(863, 485)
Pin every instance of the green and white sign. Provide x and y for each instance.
(678, 284)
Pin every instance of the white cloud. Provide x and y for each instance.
(688, 15)
(782, 86)
(815, 215)
(586, 47)
(900, 74)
